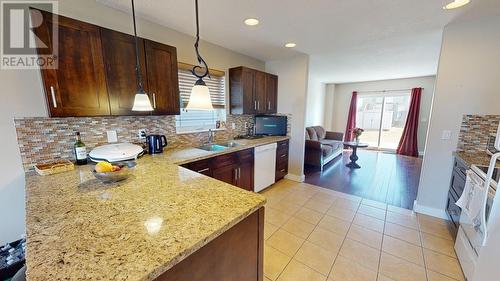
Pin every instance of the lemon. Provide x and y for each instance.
(103, 167)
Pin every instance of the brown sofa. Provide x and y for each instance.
(322, 146)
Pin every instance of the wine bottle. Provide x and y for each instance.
(80, 150)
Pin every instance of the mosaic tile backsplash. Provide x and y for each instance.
(43, 139)
(475, 132)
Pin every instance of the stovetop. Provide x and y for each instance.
(484, 172)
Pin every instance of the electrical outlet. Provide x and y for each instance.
(112, 136)
(141, 134)
(446, 135)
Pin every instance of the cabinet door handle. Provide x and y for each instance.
(53, 94)
(255, 104)
(282, 170)
(258, 105)
(239, 173)
(269, 105)
(203, 170)
(154, 100)
(283, 156)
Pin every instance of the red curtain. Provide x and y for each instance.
(408, 143)
(351, 118)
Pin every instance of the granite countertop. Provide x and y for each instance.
(81, 229)
(475, 158)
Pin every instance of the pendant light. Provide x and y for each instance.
(456, 4)
(141, 99)
(200, 94)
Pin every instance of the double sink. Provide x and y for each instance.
(218, 146)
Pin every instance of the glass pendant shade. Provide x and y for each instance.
(142, 102)
(200, 97)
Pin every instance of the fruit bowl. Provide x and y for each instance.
(124, 171)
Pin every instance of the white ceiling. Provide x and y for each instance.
(347, 40)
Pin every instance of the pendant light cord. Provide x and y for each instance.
(196, 44)
(138, 63)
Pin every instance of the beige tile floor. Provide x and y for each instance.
(312, 233)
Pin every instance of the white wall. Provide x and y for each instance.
(292, 97)
(343, 94)
(467, 82)
(22, 96)
(329, 105)
(315, 105)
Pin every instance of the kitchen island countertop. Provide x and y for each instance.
(81, 229)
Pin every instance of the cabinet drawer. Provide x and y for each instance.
(224, 160)
(245, 155)
(202, 167)
(282, 145)
(460, 168)
(282, 156)
(453, 210)
(457, 183)
(281, 168)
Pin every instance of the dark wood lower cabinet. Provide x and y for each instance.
(233, 168)
(282, 159)
(226, 174)
(245, 169)
(201, 166)
(237, 254)
(237, 168)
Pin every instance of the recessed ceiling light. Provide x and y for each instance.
(456, 4)
(290, 45)
(251, 21)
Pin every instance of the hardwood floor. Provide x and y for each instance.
(384, 177)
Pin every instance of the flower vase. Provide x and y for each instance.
(357, 140)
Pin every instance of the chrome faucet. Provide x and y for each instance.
(210, 136)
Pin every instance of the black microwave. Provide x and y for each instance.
(270, 125)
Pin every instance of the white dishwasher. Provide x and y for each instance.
(265, 166)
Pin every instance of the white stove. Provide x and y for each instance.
(478, 244)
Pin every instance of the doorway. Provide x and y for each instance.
(383, 117)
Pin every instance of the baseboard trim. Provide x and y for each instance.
(296, 178)
(433, 212)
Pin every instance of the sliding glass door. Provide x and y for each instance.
(383, 117)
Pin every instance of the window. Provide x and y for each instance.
(383, 117)
(200, 120)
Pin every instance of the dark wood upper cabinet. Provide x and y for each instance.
(252, 91)
(260, 92)
(77, 87)
(96, 73)
(163, 80)
(120, 65)
(271, 93)
(241, 85)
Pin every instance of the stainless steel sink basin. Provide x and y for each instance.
(230, 144)
(218, 146)
(213, 147)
